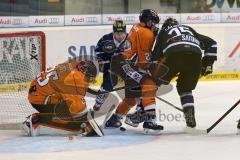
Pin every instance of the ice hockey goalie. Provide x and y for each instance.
(58, 95)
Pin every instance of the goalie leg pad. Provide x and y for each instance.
(51, 124)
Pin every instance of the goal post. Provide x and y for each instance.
(22, 57)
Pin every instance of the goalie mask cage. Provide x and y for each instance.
(22, 57)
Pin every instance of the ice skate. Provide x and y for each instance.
(189, 116)
(114, 121)
(138, 117)
(133, 119)
(151, 127)
(30, 127)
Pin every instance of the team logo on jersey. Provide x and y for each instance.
(109, 47)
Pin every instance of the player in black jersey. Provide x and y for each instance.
(179, 47)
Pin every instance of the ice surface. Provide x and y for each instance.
(212, 100)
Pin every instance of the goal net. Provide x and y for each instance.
(22, 57)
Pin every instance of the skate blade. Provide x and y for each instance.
(105, 127)
(194, 131)
(152, 132)
(131, 124)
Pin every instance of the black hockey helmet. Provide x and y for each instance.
(169, 22)
(149, 14)
(119, 26)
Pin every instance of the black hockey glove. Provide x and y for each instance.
(207, 66)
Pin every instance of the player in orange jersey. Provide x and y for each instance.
(58, 95)
(141, 37)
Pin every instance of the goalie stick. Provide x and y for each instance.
(109, 113)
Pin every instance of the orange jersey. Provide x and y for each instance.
(62, 82)
(142, 40)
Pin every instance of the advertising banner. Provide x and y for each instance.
(230, 17)
(223, 5)
(13, 22)
(128, 18)
(37, 21)
(189, 18)
(74, 20)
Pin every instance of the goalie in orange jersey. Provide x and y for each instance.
(137, 80)
(58, 96)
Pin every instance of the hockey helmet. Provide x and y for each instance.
(119, 26)
(169, 22)
(149, 14)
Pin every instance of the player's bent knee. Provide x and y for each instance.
(149, 88)
(130, 101)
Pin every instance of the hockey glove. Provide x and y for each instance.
(207, 70)
(207, 66)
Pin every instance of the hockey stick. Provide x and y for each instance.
(223, 116)
(94, 92)
(192, 131)
(170, 104)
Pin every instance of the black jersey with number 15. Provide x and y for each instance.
(181, 39)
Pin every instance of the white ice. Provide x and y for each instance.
(212, 100)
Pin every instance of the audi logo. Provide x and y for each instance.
(17, 21)
(129, 19)
(209, 17)
(54, 20)
(91, 19)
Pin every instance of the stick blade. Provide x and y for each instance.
(194, 131)
(109, 113)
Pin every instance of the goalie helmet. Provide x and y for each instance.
(169, 22)
(89, 69)
(149, 14)
(119, 26)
